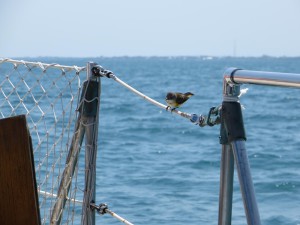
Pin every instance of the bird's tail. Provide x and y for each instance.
(188, 94)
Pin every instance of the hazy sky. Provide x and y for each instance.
(78, 28)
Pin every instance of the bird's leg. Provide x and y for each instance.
(168, 107)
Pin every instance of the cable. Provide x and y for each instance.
(103, 208)
(99, 71)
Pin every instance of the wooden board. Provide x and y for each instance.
(18, 193)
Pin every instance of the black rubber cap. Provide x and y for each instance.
(232, 119)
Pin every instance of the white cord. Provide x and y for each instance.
(183, 114)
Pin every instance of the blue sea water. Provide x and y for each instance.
(154, 167)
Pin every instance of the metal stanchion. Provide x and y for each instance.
(226, 185)
(233, 138)
(246, 184)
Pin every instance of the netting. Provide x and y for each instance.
(48, 95)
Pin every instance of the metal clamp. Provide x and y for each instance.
(101, 208)
(213, 117)
(99, 71)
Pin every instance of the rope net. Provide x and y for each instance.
(48, 95)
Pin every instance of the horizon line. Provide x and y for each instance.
(156, 56)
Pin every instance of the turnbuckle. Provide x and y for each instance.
(213, 117)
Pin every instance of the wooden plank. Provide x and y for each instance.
(18, 192)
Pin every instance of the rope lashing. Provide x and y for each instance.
(194, 118)
(103, 208)
(43, 66)
(48, 194)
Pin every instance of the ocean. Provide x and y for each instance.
(154, 167)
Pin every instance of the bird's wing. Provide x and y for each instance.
(181, 99)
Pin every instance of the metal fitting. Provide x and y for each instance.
(99, 71)
(101, 208)
(231, 89)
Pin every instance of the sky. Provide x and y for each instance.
(91, 28)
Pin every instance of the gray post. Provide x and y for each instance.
(91, 112)
(226, 185)
(246, 185)
(233, 138)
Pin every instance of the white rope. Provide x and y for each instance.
(52, 195)
(103, 208)
(43, 66)
(118, 217)
(183, 114)
(113, 214)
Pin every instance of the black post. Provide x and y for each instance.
(234, 126)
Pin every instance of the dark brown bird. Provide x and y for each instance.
(176, 99)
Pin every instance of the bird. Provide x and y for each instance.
(176, 99)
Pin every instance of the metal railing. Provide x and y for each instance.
(233, 139)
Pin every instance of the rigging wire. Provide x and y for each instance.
(101, 209)
(199, 120)
(154, 102)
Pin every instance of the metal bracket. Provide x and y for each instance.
(101, 208)
(213, 117)
(99, 71)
